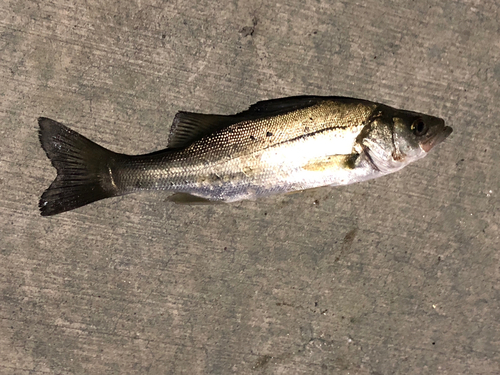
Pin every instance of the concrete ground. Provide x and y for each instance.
(400, 275)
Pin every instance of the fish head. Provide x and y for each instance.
(395, 138)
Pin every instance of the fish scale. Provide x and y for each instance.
(253, 157)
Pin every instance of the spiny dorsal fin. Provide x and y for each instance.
(189, 127)
(274, 107)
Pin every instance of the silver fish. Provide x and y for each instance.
(276, 146)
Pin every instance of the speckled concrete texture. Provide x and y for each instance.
(400, 275)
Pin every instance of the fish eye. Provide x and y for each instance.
(419, 127)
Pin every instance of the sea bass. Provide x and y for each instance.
(276, 146)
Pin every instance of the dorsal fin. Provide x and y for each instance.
(274, 107)
(189, 127)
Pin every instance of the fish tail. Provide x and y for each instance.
(83, 169)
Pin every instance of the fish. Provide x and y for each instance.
(276, 146)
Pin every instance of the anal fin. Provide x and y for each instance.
(186, 198)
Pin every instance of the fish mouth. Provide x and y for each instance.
(436, 139)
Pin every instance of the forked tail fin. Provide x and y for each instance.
(83, 169)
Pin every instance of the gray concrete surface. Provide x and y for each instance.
(395, 276)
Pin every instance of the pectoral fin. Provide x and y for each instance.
(331, 162)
